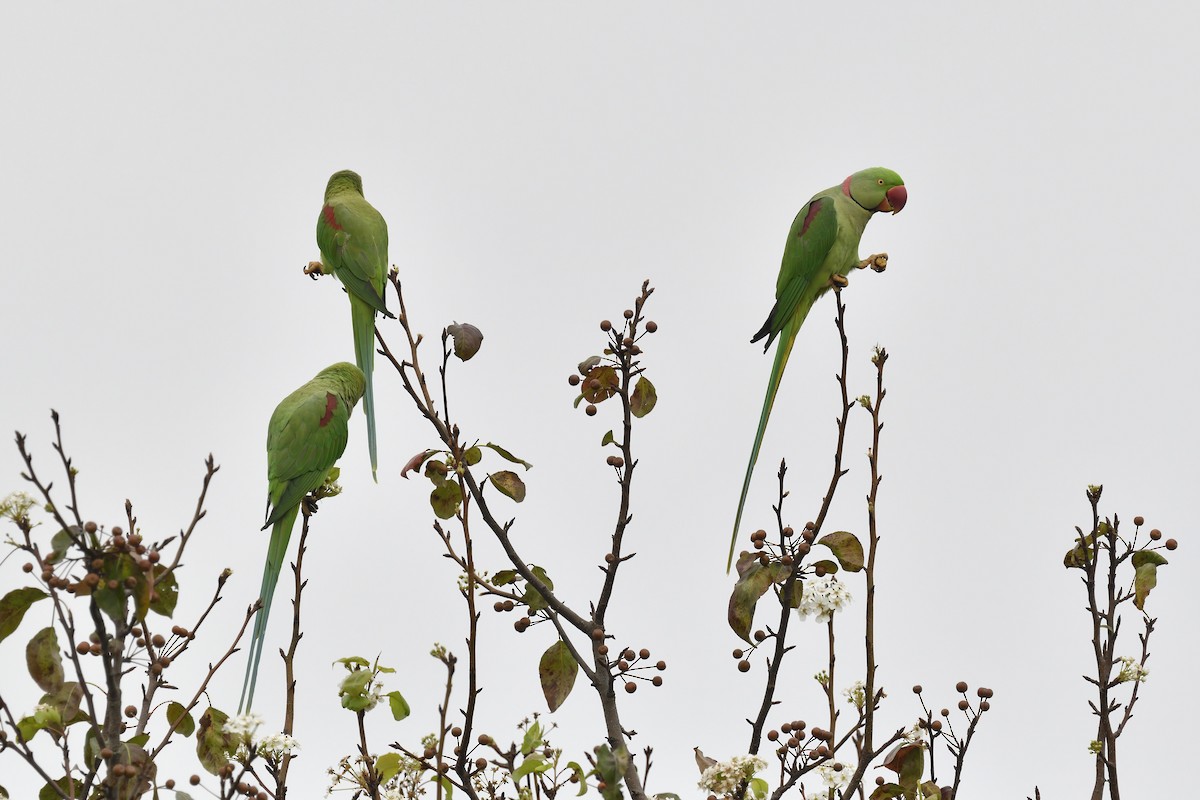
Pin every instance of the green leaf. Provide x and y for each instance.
(388, 766)
(213, 745)
(643, 399)
(887, 791)
(509, 484)
(13, 607)
(399, 706)
(758, 788)
(446, 499)
(472, 456)
(1083, 551)
(929, 789)
(186, 725)
(1145, 574)
(580, 777)
(668, 795)
(535, 764)
(504, 577)
(825, 566)
(508, 456)
(61, 542)
(44, 661)
(114, 602)
(908, 761)
(167, 589)
(753, 581)
(608, 439)
(557, 670)
(610, 767)
(846, 548)
(65, 701)
(532, 740)
(447, 786)
(353, 661)
(532, 597)
(436, 471)
(65, 786)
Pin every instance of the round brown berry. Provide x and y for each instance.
(961, 686)
(743, 665)
(1139, 520)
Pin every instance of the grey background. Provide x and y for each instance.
(162, 169)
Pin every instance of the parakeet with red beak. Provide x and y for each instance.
(821, 249)
(353, 238)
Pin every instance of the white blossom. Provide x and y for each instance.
(725, 777)
(856, 694)
(1131, 670)
(822, 597)
(276, 745)
(835, 775)
(243, 725)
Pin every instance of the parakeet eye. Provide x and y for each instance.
(881, 181)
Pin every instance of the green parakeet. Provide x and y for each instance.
(822, 244)
(306, 436)
(353, 239)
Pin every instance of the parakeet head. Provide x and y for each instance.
(345, 380)
(346, 180)
(876, 189)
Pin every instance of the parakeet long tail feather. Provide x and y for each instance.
(363, 318)
(787, 338)
(276, 552)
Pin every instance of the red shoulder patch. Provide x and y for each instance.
(331, 402)
(846, 186)
(331, 218)
(813, 208)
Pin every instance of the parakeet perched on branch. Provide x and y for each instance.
(821, 249)
(306, 436)
(353, 239)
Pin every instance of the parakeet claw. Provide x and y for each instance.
(309, 506)
(314, 270)
(840, 281)
(877, 262)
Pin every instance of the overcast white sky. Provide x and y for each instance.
(162, 170)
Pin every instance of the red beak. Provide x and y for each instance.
(894, 200)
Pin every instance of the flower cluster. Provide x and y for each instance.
(1131, 670)
(726, 777)
(275, 746)
(822, 597)
(16, 506)
(856, 694)
(835, 775)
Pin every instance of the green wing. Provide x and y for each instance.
(811, 237)
(307, 435)
(353, 240)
